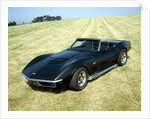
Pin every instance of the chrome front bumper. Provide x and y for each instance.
(43, 83)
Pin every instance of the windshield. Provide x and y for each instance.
(85, 45)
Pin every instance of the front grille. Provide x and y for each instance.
(45, 84)
(35, 83)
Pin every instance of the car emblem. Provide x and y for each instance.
(33, 73)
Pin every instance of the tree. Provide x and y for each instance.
(58, 17)
(9, 24)
(46, 18)
(34, 20)
(12, 23)
(41, 18)
(53, 18)
(38, 19)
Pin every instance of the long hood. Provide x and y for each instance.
(66, 54)
(48, 67)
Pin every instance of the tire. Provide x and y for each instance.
(79, 79)
(122, 58)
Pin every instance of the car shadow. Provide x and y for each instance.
(62, 89)
(48, 89)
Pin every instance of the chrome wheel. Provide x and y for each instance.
(79, 79)
(82, 78)
(123, 57)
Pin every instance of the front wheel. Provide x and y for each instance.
(79, 79)
(122, 59)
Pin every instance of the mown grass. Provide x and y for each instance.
(117, 90)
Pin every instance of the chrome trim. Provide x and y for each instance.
(82, 78)
(72, 44)
(48, 81)
(94, 62)
(99, 45)
(49, 86)
(95, 75)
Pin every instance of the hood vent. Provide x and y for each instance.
(57, 60)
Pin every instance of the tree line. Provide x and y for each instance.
(46, 18)
(40, 19)
(12, 23)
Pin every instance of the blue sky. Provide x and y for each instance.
(27, 14)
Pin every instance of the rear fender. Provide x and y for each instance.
(122, 45)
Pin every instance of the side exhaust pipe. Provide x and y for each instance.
(97, 74)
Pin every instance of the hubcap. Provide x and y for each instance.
(123, 58)
(82, 78)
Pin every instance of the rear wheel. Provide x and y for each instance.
(122, 59)
(79, 79)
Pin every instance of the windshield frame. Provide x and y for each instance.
(98, 49)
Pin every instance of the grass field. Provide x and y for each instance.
(117, 90)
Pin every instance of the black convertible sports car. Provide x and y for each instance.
(84, 60)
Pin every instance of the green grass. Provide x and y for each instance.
(117, 90)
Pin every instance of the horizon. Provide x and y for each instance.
(26, 14)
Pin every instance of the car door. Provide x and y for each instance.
(105, 58)
(92, 62)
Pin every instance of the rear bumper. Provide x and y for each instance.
(42, 82)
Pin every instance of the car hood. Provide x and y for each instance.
(66, 54)
(49, 67)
